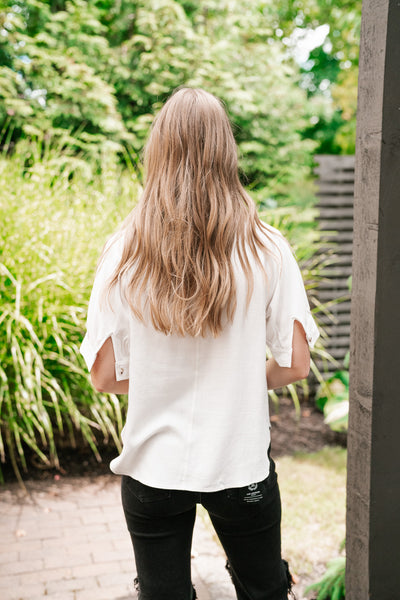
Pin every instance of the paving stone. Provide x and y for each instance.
(108, 593)
(56, 596)
(9, 582)
(91, 530)
(82, 549)
(30, 520)
(9, 509)
(41, 533)
(7, 557)
(105, 554)
(48, 575)
(72, 584)
(96, 569)
(115, 579)
(24, 567)
(51, 545)
(124, 548)
(24, 545)
(8, 537)
(65, 560)
(61, 505)
(94, 515)
(128, 566)
(24, 592)
(25, 554)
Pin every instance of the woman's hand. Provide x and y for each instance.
(280, 376)
(103, 372)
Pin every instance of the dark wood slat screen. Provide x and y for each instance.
(335, 202)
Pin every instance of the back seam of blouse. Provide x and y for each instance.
(194, 398)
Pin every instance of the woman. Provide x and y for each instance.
(186, 297)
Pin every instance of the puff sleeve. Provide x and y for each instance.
(287, 303)
(107, 316)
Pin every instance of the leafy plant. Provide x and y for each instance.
(332, 586)
(333, 399)
(56, 214)
(100, 71)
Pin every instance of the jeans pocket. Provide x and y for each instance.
(145, 493)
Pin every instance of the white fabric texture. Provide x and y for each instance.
(198, 407)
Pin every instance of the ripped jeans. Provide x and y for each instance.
(247, 521)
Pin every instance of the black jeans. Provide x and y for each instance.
(246, 520)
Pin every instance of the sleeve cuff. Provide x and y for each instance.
(283, 355)
(122, 370)
(88, 352)
(89, 349)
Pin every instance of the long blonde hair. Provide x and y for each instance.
(192, 214)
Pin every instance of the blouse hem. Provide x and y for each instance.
(193, 485)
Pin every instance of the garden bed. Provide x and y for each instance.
(289, 435)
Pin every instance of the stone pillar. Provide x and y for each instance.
(373, 486)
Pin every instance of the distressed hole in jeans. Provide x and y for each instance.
(289, 577)
(137, 588)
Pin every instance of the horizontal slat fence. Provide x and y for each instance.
(335, 203)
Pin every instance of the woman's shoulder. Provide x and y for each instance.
(111, 253)
(272, 239)
(115, 243)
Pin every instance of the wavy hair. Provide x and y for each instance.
(176, 264)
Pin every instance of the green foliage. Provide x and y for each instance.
(330, 73)
(333, 399)
(56, 215)
(332, 585)
(102, 69)
(53, 81)
(249, 69)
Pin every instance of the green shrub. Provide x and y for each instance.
(55, 214)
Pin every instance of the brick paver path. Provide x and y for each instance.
(67, 540)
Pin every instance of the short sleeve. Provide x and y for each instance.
(108, 316)
(287, 303)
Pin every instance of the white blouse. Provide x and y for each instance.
(198, 407)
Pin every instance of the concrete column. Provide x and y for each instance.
(373, 486)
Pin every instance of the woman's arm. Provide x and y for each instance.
(280, 376)
(103, 372)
